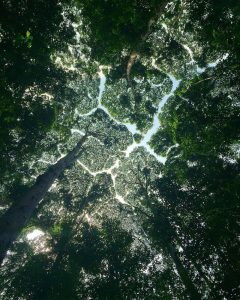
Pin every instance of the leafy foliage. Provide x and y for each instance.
(148, 210)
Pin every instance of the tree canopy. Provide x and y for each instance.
(120, 150)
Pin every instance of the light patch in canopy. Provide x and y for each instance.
(34, 234)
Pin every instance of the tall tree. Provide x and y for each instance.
(12, 222)
(185, 212)
(155, 216)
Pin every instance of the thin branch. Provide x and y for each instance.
(135, 53)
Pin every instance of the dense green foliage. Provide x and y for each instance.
(116, 26)
(30, 33)
(150, 209)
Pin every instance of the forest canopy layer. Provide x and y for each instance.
(120, 149)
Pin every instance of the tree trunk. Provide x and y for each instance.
(165, 240)
(190, 288)
(16, 217)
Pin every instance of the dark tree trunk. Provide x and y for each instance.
(15, 218)
(165, 241)
(190, 288)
